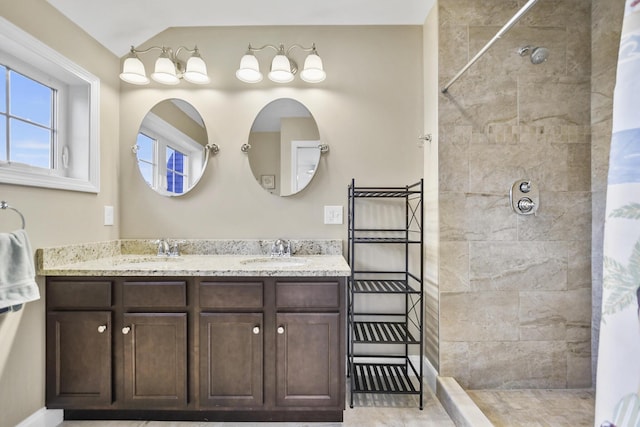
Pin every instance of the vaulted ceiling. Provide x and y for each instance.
(118, 24)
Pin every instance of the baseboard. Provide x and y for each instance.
(43, 417)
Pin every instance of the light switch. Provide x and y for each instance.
(333, 214)
(108, 215)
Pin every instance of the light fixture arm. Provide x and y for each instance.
(280, 48)
(168, 50)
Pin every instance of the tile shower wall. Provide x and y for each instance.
(515, 291)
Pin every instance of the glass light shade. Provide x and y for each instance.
(165, 71)
(313, 71)
(249, 71)
(196, 71)
(280, 70)
(133, 71)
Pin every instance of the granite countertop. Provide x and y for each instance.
(201, 258)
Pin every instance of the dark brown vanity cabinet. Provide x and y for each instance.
(231, 344)
(78, 349)
(197, 349)
(154, 342)
(309, 344)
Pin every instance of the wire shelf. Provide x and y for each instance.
(386, 378)
(382, 333)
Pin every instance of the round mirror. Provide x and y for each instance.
(284, 147)
(172, 147)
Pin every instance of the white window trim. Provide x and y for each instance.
(27, 48)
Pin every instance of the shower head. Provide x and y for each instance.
(538, 55)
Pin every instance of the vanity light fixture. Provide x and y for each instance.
(283, 67)
(168, 68)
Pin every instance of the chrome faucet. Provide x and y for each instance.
(174, 249)
(167, 249)
(163, 247)
(281, 248)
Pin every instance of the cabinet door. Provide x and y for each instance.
(155, 360)
(231, 350)
(78, 359)
(308, 363)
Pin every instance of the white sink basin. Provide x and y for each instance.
(274, 262)
(147, 261)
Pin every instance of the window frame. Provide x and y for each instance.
(78, 113)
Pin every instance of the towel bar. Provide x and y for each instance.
(5, 205)
(13, 308)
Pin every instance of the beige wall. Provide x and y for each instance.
(368, 113)
(54, 217)
(170, 113)
(515, 291)
(265, 156)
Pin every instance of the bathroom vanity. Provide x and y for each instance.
(203, 337)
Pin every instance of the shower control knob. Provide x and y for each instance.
(525, 186)
(525, 204)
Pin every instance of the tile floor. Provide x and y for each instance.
(505, 408)
(368, 411)
(536, 408)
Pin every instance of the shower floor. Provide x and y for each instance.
(536, 408)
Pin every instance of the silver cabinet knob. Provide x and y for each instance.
(126, 330)
(102, 328)
(256, 330)
(280, 330)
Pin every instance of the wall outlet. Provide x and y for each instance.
(108, 215)
(333, 214)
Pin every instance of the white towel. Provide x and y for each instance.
(17, 272)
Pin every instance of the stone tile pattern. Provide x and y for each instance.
(515, 291)
(606, 24)
(553, 408)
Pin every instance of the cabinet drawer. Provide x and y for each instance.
(78, 294)
(308, 295)
(154, 294)
(231, 295)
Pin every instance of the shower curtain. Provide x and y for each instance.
(618, 378)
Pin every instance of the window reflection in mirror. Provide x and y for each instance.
(171, 147)
(284, 153)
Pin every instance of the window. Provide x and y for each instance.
(166, 155)
(176, 174)
(48, 116)
(26, 111)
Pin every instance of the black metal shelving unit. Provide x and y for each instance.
(382, 370)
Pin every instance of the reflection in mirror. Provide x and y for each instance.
(172, 147)
(284, 147)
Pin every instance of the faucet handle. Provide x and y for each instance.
(174, 250)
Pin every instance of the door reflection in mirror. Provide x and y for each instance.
(171, 147)
(285, 143)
